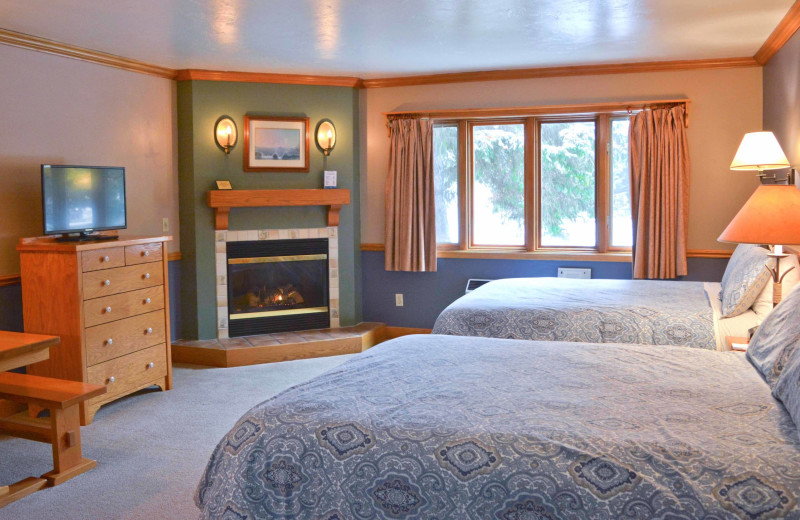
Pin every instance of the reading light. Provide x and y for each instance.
(325, 136)
(225, 134)
(760, 151)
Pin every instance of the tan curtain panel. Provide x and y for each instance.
(659, 156)
(410, 215)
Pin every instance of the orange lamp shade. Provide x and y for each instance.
(770, 216)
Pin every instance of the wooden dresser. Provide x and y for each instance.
(109, 303)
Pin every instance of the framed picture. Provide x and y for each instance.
(276, 144)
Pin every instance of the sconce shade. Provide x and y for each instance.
(225, 134)
(325, 136)
(770, 216)
(759, 151)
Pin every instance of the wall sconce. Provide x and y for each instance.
(225, 134)
(325, 136)
(760, 151)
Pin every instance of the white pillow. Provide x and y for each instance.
(763, 303)
(744, 279)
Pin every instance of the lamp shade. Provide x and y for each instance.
(759, 151)
(770, 216)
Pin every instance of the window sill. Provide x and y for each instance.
(510, 254)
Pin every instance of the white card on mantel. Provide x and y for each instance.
(330, 179)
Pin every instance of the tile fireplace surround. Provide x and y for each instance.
(221, 239)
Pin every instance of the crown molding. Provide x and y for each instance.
(785, 30)
(552, 72)
(26, 41)
(266, 77)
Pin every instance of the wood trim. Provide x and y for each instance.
(267, 77)
(173, 257)
(34, 43)
(552, 72)
(396, 332)
(602, 179)
(558, 255)
(11, 279)
(785, 30)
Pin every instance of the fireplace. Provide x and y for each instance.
(277, 286)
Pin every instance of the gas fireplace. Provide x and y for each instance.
(277, 285)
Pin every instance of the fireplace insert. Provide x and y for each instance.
(277, 286)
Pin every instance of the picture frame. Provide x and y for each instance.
(276, 144)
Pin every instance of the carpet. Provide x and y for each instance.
(151, 447)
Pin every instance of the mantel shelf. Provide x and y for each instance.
(223, 200)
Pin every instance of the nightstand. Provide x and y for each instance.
(737, 343)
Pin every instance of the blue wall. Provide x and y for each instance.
(425, 295)
(11, 304)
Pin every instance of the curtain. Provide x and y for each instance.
(659, 159)
(410, 216)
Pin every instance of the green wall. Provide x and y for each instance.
(201, 163)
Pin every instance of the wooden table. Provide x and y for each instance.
(18, 349)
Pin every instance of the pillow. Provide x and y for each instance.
(744, 278)
(777, 338)
(763, 304)
(787, 389)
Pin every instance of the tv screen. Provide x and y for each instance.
(80, 199)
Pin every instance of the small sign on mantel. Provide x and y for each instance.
(223, 185)
(330, 179)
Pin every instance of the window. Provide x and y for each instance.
(546, 182)
(567, 198)
(621, 221)
(498, 185)
(445, 180)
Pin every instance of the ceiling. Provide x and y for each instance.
(380, 38)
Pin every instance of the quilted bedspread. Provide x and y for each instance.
(476, 428)
(647, 312)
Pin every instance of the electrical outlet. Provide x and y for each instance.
(398, 299)
(165, 225)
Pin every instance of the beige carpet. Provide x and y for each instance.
(151, 447)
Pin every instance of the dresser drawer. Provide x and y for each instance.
(143, 253)
(128, 372)
(121, 279)
(121, 337)
(124, 305)
(102, 259)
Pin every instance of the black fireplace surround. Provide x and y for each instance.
(277, 286)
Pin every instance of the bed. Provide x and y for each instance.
(478, 428)
(598, 311)
(694, 314)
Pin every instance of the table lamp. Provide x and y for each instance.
(770, 216)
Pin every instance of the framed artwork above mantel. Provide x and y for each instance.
(276, 144)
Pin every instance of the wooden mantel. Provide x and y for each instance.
(223, 200)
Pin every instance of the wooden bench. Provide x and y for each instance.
(61, 429)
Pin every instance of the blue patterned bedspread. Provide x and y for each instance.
(645, 312)
(475, 428)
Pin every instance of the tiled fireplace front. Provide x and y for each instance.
(272, 300)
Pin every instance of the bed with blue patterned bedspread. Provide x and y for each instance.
(646, 312)
(476, 428)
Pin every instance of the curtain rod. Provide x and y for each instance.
(612, 106)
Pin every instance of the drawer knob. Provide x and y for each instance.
(146, 301)
(146, 253)
(108, 310)
(111, 379)
(107, 283)
(151, 365)
(106, 259)
(149, 330)
(109, 341)
(146, 276)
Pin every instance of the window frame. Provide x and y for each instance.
(532, 177)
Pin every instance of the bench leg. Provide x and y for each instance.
(68, 460)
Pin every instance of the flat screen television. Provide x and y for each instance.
(78, 200)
